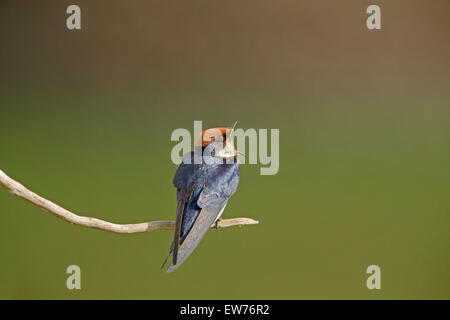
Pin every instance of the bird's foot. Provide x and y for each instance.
(216, 224)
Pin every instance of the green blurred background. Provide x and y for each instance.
(364, 118)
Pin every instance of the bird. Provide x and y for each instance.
(205, 180)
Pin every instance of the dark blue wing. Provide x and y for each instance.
(204, 189)
(221, 184)
(205, 219)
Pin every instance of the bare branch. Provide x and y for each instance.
(19, 190)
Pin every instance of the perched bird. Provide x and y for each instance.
(205, 180)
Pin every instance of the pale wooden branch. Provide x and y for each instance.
(19, 190)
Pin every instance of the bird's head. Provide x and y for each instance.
(220, 139)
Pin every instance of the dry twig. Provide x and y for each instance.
(19, 190)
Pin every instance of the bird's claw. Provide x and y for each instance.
(216, 224)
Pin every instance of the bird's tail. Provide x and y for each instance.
(167, 257)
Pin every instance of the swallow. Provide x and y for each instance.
(205, 180)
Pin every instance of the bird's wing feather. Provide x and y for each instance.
(221, 184)
(205, 219)
(176, 237)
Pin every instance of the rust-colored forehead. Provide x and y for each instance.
(209, 135)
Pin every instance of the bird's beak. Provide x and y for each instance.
(230, 133)
(234, 125)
